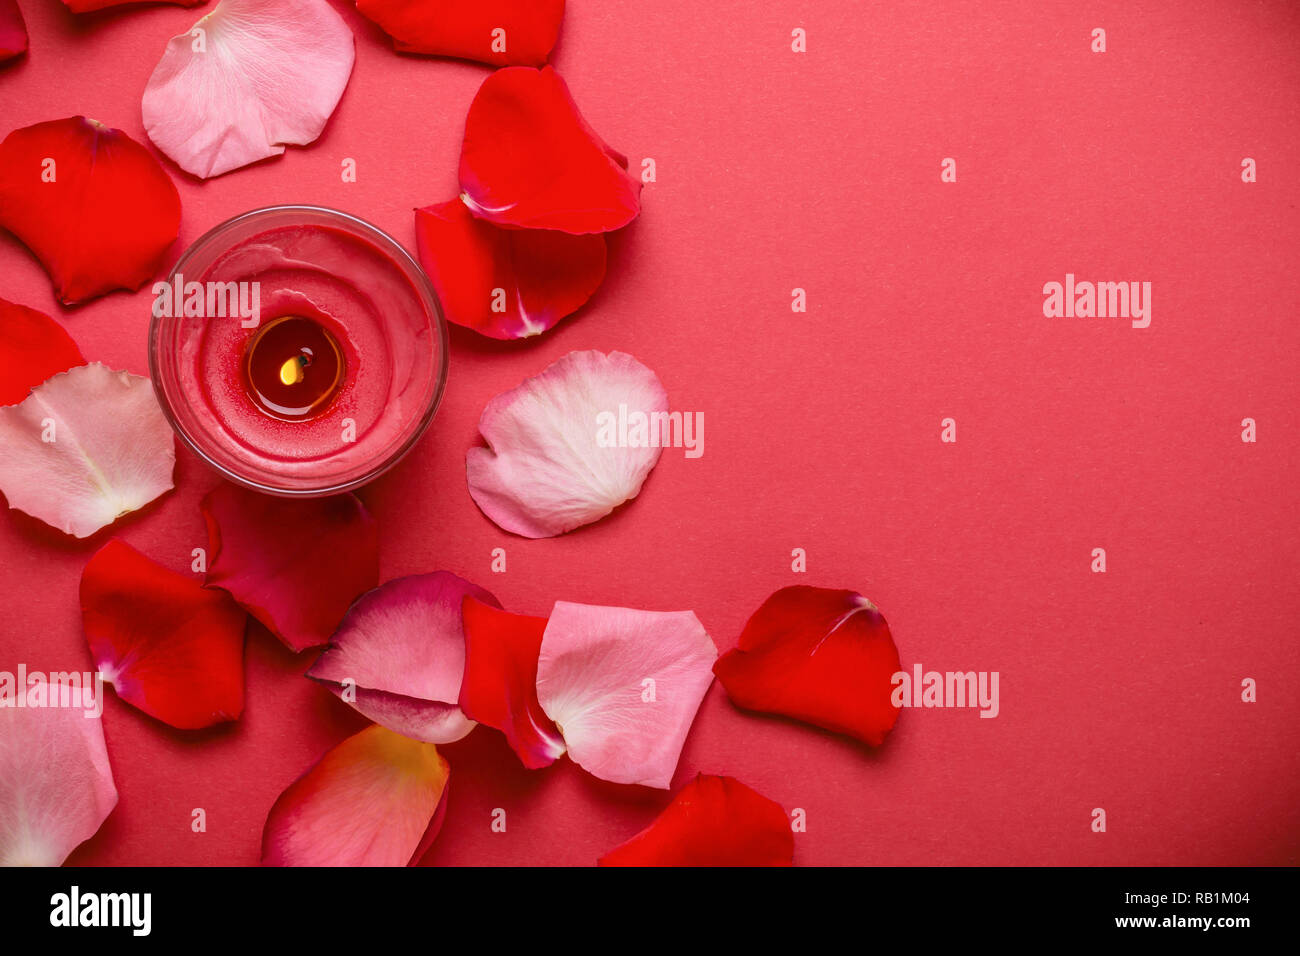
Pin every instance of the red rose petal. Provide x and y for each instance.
(294, 564)
(713, 821)
(13, 31)
(819, 655)
(464, 28)
(168, 645)
(33, 347)
(543, 274)
(374, 800)
(529, 159)
(105, 221)
(500, 685)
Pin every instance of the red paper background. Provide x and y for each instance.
(821, 171)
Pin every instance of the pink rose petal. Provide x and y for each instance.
(623, 687)
(399, 656)
(553, 460)
(374, 800)
(56, 787)
(270, 76)
(85, 448)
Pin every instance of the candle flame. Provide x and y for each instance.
(291, 371)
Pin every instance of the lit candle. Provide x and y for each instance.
(299, 350)
(293, 368)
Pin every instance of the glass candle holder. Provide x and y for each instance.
(298, 350)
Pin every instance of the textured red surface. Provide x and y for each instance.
(822, 171)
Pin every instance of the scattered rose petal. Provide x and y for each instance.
(85, 448)
(623, 687)
(713, 821)
(529, 159)
(500, 685)
(542, 275)
(400, 655)
(818, 655)
(374, 800)
(90, 202)
(88, 6)
(168, 645)
(269, 77)
(32, 348)
(56, 787)
(13, 31)
(294, 564)
(468, 28)
(554, 460)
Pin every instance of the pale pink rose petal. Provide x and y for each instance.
(269, 74)
(623, 687)
(84, 448)
(56, 787)
(399, 656)
(374, 800)
(565, 447)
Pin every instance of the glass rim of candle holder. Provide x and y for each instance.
(208, 442)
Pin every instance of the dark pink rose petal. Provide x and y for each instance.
(399, 656)
(294, 564)
(88, 6)
(13, 31)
